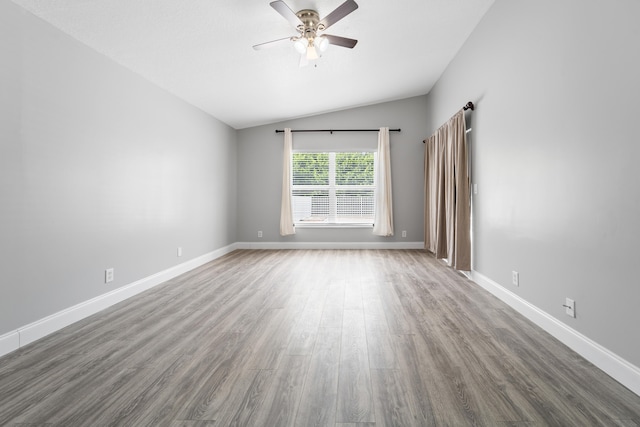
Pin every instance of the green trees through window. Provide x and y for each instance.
(351, 168)
(310, 168)
(354, 169)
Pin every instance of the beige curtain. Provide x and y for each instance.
(383, 217)
(286, 212)
(447, 209)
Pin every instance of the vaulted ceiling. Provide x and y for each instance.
(201, 50)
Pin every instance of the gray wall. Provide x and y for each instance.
(555, 157)
(260, 171)
(98, 168)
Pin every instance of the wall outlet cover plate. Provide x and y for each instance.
(570, 307)
(108, 275)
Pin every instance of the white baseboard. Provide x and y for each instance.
(618, 368)
(43, 327)
(9, 342)
(330, 245)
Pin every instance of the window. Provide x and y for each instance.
(333, 188)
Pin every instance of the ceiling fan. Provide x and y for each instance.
(311, 39)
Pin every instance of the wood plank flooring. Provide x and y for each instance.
(340, 338)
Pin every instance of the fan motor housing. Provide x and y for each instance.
(310, 20)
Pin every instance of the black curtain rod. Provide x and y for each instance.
(468, 106)
(335, 130)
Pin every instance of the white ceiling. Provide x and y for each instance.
(201, 50)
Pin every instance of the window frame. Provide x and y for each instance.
(332, 188)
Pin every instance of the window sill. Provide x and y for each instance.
(333, 225)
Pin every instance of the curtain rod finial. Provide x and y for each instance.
(469, 106)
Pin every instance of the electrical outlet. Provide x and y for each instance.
(475, 188)
(404, 233)
(260, 234)
(570, 307)
(179, 250)
(108, 275)
(515, 278)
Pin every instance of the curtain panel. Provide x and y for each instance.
(447, 209)
(383, 216)
(286, 212)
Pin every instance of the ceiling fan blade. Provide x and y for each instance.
(286, 12)
(341, 11)
(272, 43)
(340, 41)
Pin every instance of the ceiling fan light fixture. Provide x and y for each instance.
(301, 45)
(312, 53)
(321, 43)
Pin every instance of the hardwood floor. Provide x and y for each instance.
(340, 338)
